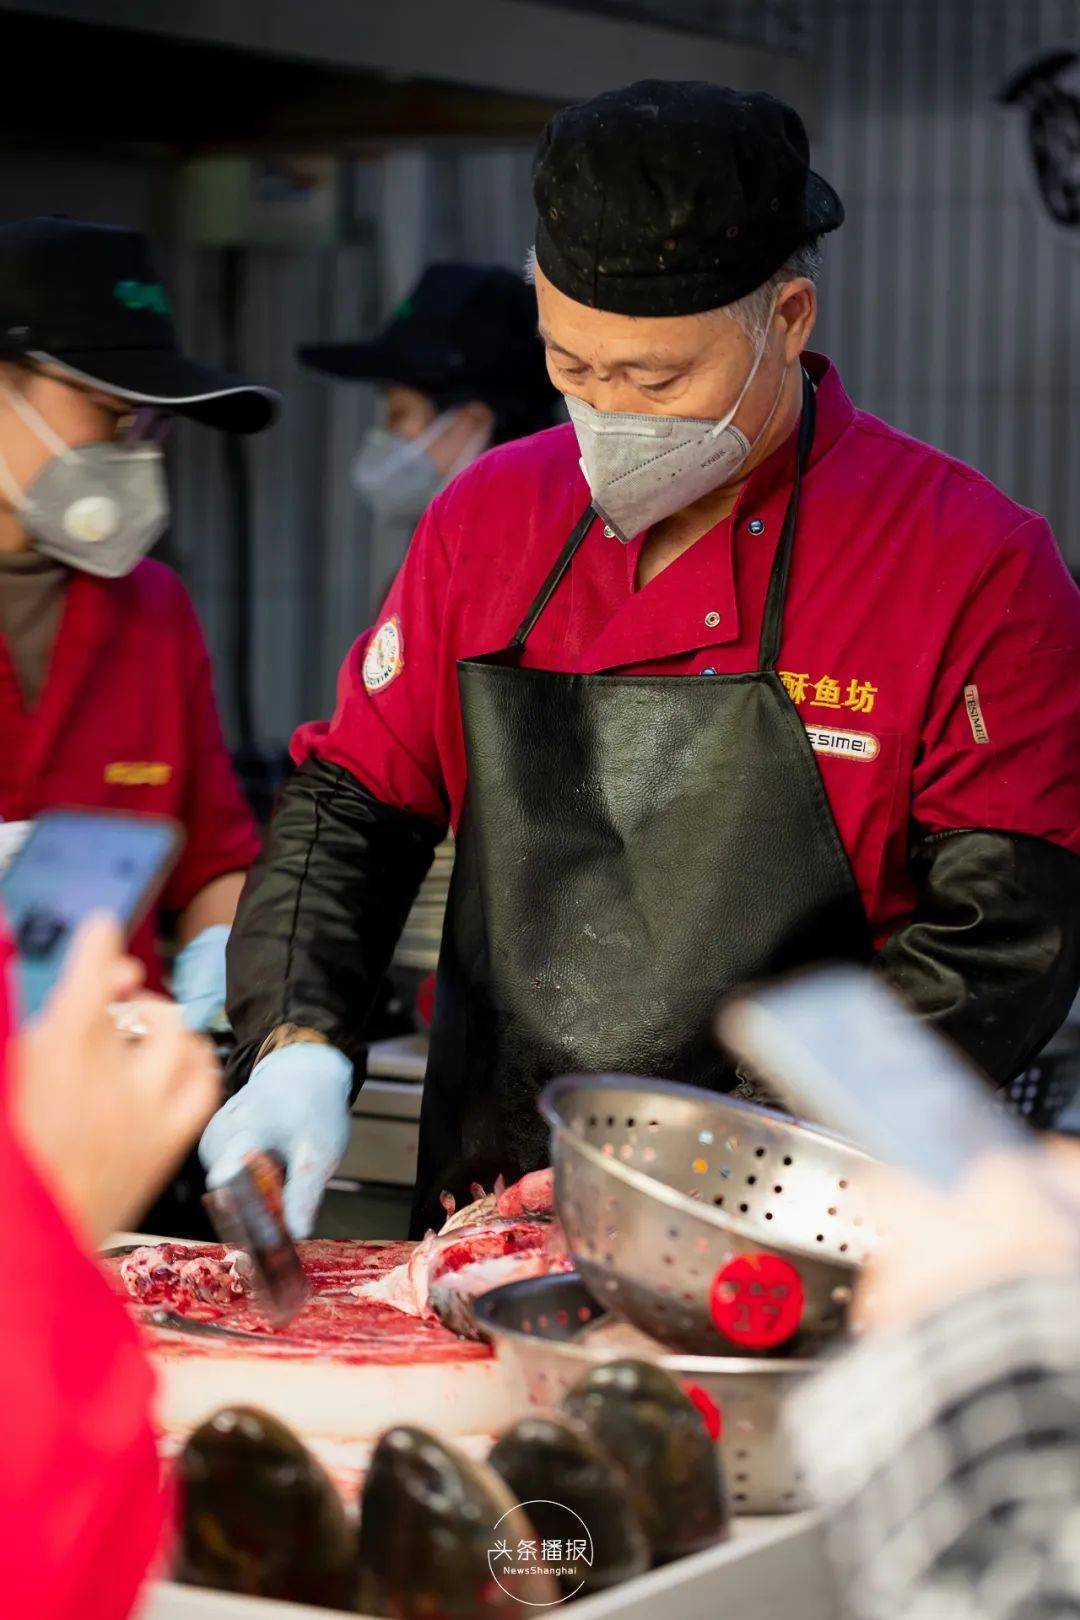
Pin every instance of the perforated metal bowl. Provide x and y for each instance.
(533, 1324)
(661, 1187)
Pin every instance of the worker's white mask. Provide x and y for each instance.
(98, 508)
(397, 475)
(642, 469)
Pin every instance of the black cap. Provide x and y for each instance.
(87, 297)
(670, 198)
(465, 332)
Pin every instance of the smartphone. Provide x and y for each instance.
(73, 863)
(841, 1049)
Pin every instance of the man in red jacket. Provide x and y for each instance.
(722, 678)
(106, 695)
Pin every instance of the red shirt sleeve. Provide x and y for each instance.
(392, 689)
(1001, 741)
(221, 832)
(82, 1504)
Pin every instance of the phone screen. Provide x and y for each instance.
(843, 1050)
(74, 863)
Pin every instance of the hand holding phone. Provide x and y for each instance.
(76, 863)
(974, 1199)
(842, 1049)
(104, 1117)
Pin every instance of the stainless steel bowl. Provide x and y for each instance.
(661, 1187)
(533, 1324)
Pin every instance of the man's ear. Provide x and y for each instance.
(797, 309)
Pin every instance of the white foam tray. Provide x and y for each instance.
(772, 1569)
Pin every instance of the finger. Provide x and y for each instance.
(159, 1016)
(305, 1184)
(226, 1143)
(1064, 1154)
(176, 1127)
(892, 1200)
(193, 1104)
(84, 988)
(127, 975)
(167, 1053)
(229, 1162)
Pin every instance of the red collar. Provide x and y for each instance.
(834, 416)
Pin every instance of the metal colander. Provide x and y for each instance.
(533, 1324)
(661, 1188)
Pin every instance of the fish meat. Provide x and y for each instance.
(638, 1414)
(464, 1265)
(334, 1321)
(501, 1237)
(430, 1521)
(169, 1274)
(534, 1194)
(261, 1515)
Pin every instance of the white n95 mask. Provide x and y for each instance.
(641, 469)
(397, 475)
(98, 508)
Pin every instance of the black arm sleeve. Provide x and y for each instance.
(321, 913)
(991, 957)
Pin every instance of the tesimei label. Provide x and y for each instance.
(975, 714)
(843, 744)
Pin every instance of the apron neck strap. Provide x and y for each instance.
(550, 585)
(773, 620)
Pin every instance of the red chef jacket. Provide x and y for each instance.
(82, 1504)
(127, 721)
(930, 645)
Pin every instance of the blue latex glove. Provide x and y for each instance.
(198, 977)
(296, 1104)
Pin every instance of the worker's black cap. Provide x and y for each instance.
(670, 198)
(87, 297)
(465, 332)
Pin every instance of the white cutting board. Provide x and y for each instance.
(321, 1396)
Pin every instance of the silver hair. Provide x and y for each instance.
(752, 311)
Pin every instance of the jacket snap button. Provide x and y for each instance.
(712, 620)
(709, 670)
(756, 525)
(609, 532)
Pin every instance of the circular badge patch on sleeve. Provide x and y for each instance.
(385, 656)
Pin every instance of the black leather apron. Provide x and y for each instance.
(630, 849)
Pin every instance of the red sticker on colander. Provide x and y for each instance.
(756, 1300)
(425, 1001)
(711, 1415)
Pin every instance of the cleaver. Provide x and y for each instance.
(246, 1213)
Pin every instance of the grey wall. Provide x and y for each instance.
(312, 577)
(951, 302)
